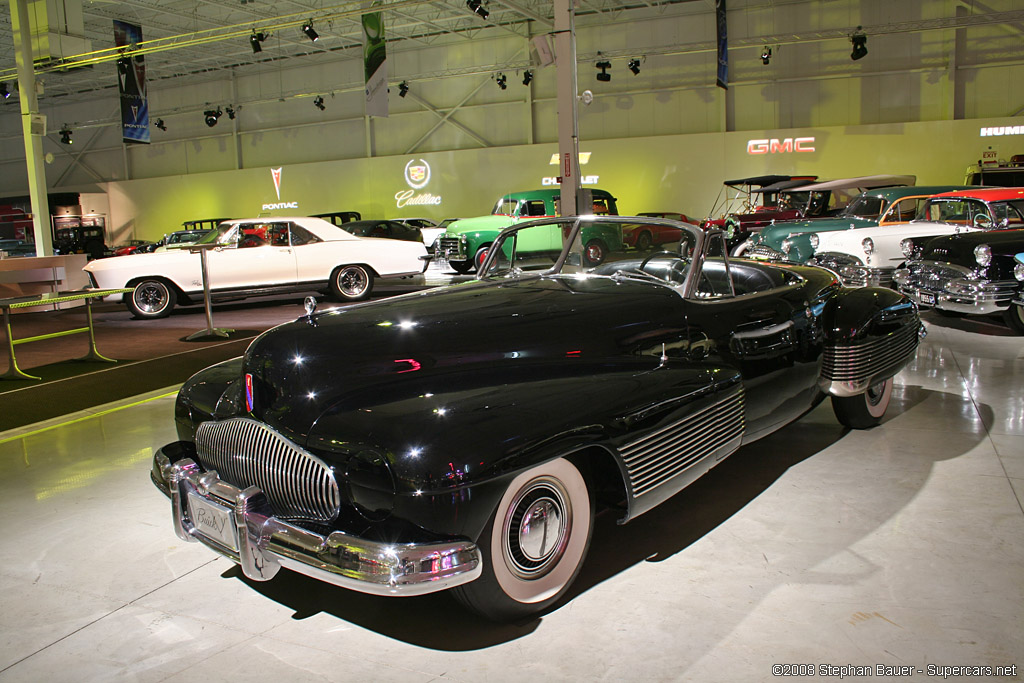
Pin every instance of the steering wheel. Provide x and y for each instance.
(653, 255)
(678, 266)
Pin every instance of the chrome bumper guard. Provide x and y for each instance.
(240, 525)
(930, 287)
(855, 275)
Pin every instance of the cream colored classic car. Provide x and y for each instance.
(256, 257)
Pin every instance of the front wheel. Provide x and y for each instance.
(152, 298)
(481, 256)
(644, 241)
(595, 252)
(1014, 318)
(461, 267)
(534, 545)
(740, 249)
(352, 283)
(864, 410)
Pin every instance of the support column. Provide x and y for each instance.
(568, 123)
(33, 143)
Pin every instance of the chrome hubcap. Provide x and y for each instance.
(150, 297)
(874, 394)
(536, 528)
(352, 281)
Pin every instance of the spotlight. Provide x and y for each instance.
(318, 102)
(860, 45)
(161, 125)
(501, 81)
(478, 8)
(4, 91)
(310, 32)
(230, 112)
(403, 89)
(604, 75)
(766, 55)
(634, 66)
(527, 77)
(65, 134)
(211, 116)
(255, 39)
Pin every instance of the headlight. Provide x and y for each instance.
(983, 255)
(786, 246)
(869, 245)
(814, 240)
(1018, 271)
(907, 247)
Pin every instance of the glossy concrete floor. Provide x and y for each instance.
(902, 545)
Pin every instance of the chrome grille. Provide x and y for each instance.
(451, 246)
(863, 361)
(931, 276)
(764, 251)
(248, 453)
(657, 457)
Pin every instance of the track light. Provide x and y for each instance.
(860, 44)
(161, 125)
(766, 55)
(255, 39)
(230, 112)
(65, 134)
(604, 75)
(501, 81)
(318, 102)
(4, 91)
(310, 32)
(634, 66)
(403, 89)
(478, 8)
(527, 77)
(211, 116)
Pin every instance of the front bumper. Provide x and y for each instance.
(954, 288)
(854, 274)
(240, 525)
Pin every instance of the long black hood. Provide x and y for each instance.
(402, 347)
(959, 249)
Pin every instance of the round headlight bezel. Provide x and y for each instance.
(1018, 271)
(814, 240)
(907, 247)
(786, 246)
(983, 255)
(868, 245)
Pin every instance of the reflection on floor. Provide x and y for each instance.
(903, 545)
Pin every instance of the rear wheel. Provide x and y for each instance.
(643, 241)
(534, 545)
(152, 298)
(351, 283)
(1014, 318)
(864, 410)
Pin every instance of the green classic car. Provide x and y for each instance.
(467, 240)
(792, 240)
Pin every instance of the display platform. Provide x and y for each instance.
(896, 546)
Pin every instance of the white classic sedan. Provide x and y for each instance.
(260, 256)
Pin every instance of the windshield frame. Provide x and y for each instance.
(699, 237)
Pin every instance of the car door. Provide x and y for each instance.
(261, 256)
(756, 318)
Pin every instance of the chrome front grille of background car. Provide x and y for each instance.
(450, 246)
(866, 359)
(657, 457)
(931, 276)
(764, 251)
(249, 453)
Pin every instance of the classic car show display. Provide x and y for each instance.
(465, 243)
(970, 274)
(750, 195)
(527, 398)
(260, 256)
(805, 201)
(870, 256)
(790, 240)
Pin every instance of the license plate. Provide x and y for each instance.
(211, 520)
(927, 298)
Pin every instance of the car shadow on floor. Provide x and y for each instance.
(653, 537)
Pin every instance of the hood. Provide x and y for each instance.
(959, 249)
(490, 223)
(420, 343)
(135, 261)
(774, 234)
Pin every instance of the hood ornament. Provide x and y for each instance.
(310, 305)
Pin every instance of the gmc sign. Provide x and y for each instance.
(776, 146)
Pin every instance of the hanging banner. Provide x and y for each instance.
(723, 45)
(131, 84)
(375, 63)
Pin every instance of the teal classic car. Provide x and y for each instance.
(467, 240)
(792, 240)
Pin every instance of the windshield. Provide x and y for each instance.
(505, 207)
(865, 207)
(596, 246)
(225, 233)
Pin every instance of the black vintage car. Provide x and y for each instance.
(969, 274)
(462, 437)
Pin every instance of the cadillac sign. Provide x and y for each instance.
(417, 176)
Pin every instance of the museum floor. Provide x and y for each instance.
(902, 545)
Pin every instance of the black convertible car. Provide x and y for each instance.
(462, 437)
